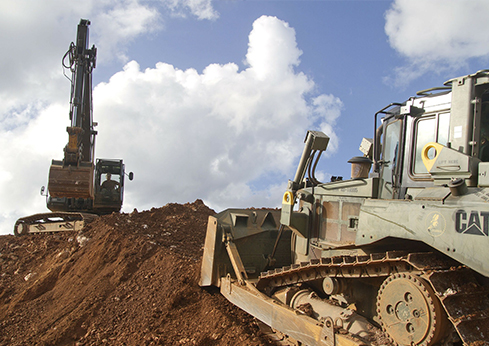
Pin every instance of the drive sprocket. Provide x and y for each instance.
(410, 312)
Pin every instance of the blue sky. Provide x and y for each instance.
(212, 99)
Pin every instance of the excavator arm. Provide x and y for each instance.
(73, 176)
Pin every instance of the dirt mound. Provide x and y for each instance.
(126, 279)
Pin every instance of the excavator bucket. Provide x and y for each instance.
(70, 181)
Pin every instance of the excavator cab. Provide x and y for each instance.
(109, 185)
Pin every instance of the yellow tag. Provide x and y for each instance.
(288, 198)
(428, 163)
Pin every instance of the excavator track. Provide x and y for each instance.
(52, 222)
(455, 288)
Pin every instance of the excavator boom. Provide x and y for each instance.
(73, 176)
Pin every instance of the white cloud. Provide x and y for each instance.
(436, 34)
(189, 135)
(116, 25)
(202, 9)
(186, 135)
(27, 151)
(327, 109)
(272, 49)
(36, 34)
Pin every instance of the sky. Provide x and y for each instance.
(211, 100)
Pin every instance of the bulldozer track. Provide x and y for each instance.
(464, 299)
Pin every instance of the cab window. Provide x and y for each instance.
(434, 128)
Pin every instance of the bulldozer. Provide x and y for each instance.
(76, 191)
(395, 255)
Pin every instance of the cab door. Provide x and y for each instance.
(391, 161)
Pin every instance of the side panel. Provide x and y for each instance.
(340, 209)
(340, 220)
(457, 228)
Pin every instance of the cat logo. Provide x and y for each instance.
(476, 223)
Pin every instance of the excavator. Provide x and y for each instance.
(396, 255)
(77, 192)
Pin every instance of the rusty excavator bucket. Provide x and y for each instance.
(71, 181)
(72, 177)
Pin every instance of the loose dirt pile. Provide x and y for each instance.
(126, 279)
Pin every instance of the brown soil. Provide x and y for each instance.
(126, 279)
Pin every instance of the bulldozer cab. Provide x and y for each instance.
(109, 185)
(453, 119)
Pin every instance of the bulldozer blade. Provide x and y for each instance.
(208, 275)
(251, 235)
(70, 181)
